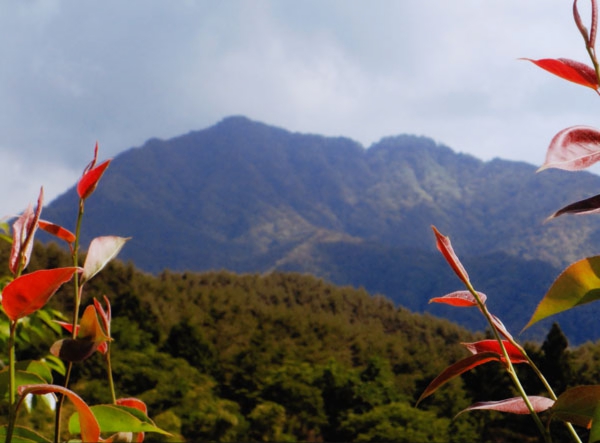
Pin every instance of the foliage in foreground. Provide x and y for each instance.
(572, 149)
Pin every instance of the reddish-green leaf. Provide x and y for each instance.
(461, 299)
(514, 354)
(90, 430)
(577, 405)
(514, 405)
(57, 231)
(570, 70)
(87, 184)
(577, 285)
(116, 418)
(23, 232)
(457, 369)
(57, 346)
(30, 292)
(89, 337)
(89, 327)
(573, 149)
(588, 206)
(101, 251)
(445, 247)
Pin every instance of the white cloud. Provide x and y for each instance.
(123, 72)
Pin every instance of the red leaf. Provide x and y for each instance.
(461, 299)
(457, 369)
(28, 293)
(90, 179)
(515, 355)
(588, 206)
(514, 405)
(570, 70)
(445, 247)
(573, 149)
(23, 231)
(57, 231)
(105, 316)
(90, 430)
(137, 404)
(133, 403)
(590, 39)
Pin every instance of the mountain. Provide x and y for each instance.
(249, 197)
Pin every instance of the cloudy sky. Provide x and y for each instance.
(120, 72)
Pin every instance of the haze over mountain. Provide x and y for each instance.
(248, 197)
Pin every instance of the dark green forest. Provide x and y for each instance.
(288, 357)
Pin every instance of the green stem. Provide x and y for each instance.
(545, 383)
(77, 300)
(11, 381)
(111, 383)
(509, 366)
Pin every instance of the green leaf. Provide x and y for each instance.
(23, 435)
(595, 430)
(36, 367)
(112, 419)
(577, 405)
(577, 285)
(21, 378)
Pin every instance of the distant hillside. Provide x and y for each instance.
(248, 197)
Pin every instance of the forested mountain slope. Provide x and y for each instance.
(248, 197)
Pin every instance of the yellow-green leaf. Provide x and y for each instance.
(577, 405)
(577, 285)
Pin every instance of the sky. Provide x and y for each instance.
(73, 73)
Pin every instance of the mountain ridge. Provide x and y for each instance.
(248, 197)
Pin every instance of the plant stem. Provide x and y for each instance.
(509, 366)
(111, 383)
(11, 381)
(77, 300)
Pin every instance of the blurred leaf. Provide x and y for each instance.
(22, 378)
(36, 367)
(577, 405)
(101, 251)
(577, 285)
(459, 299)
(514, 405)
(73, 350)
(28, 293)
(573, 149)
(23, 435)
(114, 418)
(570, 70)
(457, 369)
(90, 430)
